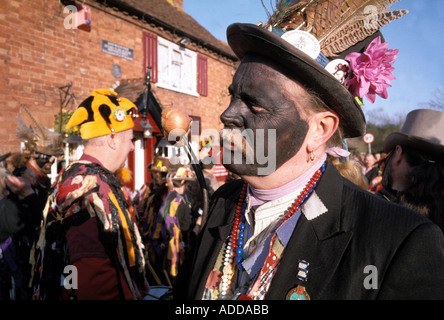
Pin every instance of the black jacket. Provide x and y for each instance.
(360, 235)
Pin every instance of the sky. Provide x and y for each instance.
(419, 36)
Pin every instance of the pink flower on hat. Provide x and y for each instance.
(372, 70)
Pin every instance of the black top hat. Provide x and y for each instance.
(249, 38)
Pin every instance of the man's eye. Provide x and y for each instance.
(257, 109)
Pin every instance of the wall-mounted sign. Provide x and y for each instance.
(116, 71)
(117, 50)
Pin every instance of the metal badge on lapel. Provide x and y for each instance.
(302, 270)
(298, 293)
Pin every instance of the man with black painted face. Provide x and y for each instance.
(41, 151)
(301, 230)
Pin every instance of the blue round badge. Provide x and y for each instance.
(298, 293)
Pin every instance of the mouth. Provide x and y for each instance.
(238, 145)
(232, 140)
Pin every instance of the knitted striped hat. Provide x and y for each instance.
(103, 113)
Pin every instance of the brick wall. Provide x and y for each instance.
(38, 55)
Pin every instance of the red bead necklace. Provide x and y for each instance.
(237, 234)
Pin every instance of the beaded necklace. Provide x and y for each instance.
(234, 245)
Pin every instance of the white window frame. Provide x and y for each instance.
(165, 64)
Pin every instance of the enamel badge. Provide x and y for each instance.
(119, 114)
(298, 293)
(302, 270)
(339, 69)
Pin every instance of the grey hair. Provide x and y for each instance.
(316, 104)
(97, 141)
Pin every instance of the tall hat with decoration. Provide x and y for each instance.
(103, 113)
(38, 138)
(332, 47)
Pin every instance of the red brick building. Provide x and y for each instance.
(48, 54)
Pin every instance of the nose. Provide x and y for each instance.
(231, 117)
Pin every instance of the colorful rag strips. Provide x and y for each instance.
(161, 232)
(84, 190)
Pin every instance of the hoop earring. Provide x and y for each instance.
(312, 156)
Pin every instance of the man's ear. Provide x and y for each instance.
(111, 141)
(322, 127)
(396, 158)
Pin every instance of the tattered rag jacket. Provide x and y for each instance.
(88, 200)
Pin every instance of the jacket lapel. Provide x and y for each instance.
(318, 240)
(213, 236)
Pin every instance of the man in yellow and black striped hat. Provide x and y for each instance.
(90, 224)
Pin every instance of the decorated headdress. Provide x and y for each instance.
(183, 173)
(103, 113)
(332, 47)
(178, 175)
(37, 138)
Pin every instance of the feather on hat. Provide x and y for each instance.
(337, 24)
(337, 27)
(38, 138)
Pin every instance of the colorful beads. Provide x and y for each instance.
(236, 241)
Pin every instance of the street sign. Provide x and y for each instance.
(368, 138)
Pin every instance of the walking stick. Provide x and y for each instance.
(153, 272)
(177, 119)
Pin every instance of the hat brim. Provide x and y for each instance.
(249, 38)
(402, 139)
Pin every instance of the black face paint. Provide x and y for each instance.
(42, 160)
(262, 99)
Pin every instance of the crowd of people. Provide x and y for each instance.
(158, 226)
(310, 229)
(80, 218)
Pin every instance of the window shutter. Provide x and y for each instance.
(202, 75)
(150, 55)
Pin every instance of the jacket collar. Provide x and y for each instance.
(318, 239)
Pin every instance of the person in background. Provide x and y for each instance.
(89, 224)
(351, 169)
(13, 161)
(413, 173)
(14, 218)
(370, 169)
(166, 221)
(32, 167)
